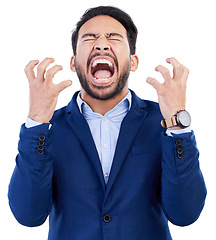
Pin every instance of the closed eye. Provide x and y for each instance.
(89, 39)
(110, 36)
(114, 36)
(114, 39)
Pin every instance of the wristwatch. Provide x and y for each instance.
(182, 119)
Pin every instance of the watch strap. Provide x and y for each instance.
(168, 123)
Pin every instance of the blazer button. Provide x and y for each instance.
(179, 148)
(41, 144)
(180, 155)
(41, 138)
(40, 151)
(106, 218)
(178, 142)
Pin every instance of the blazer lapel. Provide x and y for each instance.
(129, 128)
(81, 129)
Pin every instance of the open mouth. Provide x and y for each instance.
(102, 70)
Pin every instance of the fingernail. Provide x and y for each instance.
(168, 60)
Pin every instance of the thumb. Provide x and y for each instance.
(61, 86)
(154, 83)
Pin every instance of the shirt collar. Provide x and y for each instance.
(80, 102)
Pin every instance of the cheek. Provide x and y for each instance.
(124, 62)
(123, 54)
(82, 54)
(80, 63)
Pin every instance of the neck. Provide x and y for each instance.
(103, 106)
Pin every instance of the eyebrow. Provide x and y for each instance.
(90, 35)
(108, 35)
(113, 35)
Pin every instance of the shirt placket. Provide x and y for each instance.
(105, 147)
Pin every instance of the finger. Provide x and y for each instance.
(177, 67)
(185, 74)
(51, 73)
(61, 86)
(42, 68)
(29, 70)
(155, 84)
(164, 71)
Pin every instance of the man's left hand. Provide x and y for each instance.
(171, 93)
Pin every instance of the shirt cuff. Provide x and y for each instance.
(180, 131)
(31, 123)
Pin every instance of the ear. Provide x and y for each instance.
(134, 62)
(72, 63)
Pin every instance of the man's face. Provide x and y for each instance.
(103, 61)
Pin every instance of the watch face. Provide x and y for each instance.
(184, 118)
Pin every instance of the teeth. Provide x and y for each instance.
(102, 61)
(102, 79)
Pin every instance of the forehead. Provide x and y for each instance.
(102, 24)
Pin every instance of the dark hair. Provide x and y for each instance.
(113, 12)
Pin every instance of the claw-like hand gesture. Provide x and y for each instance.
(43, 93)
(172, 93)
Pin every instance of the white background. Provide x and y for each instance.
(184, 29)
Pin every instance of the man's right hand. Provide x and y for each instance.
(43, 93)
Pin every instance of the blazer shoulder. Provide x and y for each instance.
(144, 103)
(59, 114)
(153, 110)
(152, 106)
(149, 105)
(62, 113)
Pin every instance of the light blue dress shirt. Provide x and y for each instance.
(105, 129)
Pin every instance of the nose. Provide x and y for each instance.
(102, 48)
(102, 44)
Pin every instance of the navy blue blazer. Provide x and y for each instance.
(154, 178)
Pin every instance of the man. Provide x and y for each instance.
(103, 167)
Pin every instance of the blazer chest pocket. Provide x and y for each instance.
(150, 147)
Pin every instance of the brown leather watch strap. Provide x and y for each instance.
(168, 123)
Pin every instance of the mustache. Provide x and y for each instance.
(98, 54)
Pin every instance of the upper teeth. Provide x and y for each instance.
(103, 61)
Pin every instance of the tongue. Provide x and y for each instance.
(102, 74)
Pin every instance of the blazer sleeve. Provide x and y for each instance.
(30, 188)
(183, 188)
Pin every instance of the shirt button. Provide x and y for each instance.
(105, 118)
(105, 145)
(106, 175)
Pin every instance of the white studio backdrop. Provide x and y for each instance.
(184, 29)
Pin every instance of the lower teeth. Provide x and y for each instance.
(102, 79)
